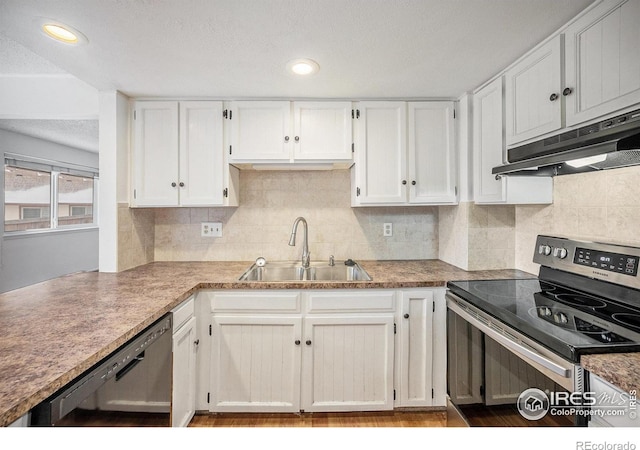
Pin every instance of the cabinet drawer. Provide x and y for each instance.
(350, 301)
(263, 301)
(183, 312)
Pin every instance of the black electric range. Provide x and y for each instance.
(586, 298)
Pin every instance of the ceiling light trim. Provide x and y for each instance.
(61, 32)
(303, 67)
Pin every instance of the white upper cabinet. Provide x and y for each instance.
(533, 93)
(178, 157)
(432, 175)
(155, 154)
(287, 132)
(488, 152)
(387, 171)
(381, 153)
(322, 131)
(603, 61)
(260, 131)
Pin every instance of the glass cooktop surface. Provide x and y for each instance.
(567, 321)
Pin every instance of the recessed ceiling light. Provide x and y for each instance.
(303, 66)
(62, 33)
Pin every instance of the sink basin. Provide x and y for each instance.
(293, 271)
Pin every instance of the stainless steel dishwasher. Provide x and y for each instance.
(134, 378)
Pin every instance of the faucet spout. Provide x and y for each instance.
(306, 256)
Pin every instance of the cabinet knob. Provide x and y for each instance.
(297, 341)
(413, 183)
(406, 316)
(308, 342)
(286, 138)
(553, 97)
(181, 184)
(404, 181)
(173, 184)
(297, 138)
(567, 91)
(196, 342)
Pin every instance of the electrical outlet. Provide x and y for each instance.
(387, 229)
(211, 229)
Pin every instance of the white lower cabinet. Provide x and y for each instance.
(255, 363)
(184, 352)
(323, 350)
(348, 363)
(421, 356)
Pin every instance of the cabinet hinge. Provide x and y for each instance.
(353, 113)
(357, 113)
(455, 190)
(225, 113)
(225, 192)
(208, 397)
(432, 393)
(134, 115)
(357, 192)
(353, 147)
(434, 306)
(134, 194)
(394, 328)
(230, 149)
(209, 329)
(394, 394)
(454, 113)
(482, 390)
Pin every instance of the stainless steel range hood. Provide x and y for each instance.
(608, 144)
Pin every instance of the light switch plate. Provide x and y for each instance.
(211, 229)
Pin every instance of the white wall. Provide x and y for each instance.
(29, 259)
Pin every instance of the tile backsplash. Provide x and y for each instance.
(270, 201)
(597, 206)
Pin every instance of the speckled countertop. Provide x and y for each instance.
(55, 330)
(620, 369)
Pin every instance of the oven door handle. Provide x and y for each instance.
(515, 347)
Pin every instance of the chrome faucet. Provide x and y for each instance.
(305, 246)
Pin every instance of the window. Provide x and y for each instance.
(47, 195)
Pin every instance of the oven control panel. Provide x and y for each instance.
(612, 262)
(609, 262)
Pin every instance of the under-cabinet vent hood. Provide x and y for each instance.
(608, 144)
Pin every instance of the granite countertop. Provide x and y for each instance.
(55, 330)
(620, 369)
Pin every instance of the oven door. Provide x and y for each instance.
(561, 371)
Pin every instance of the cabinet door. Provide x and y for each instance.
(155, 154)
(415, 358)
(255, 364)
(431, 153)
(183, 386)
(260, 131)
(488, 143)
(488, 152)
(533, 97)
(603, 61)
(381, 153)
(322, 131)
(201, 154)
(348, 363)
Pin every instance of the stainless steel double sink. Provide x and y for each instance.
(317, 271)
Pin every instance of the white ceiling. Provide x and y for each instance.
(239, 48)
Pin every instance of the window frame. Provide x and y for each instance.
(55, 169)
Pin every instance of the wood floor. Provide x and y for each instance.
(472, 415)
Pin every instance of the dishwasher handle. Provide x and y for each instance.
(126, 369)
